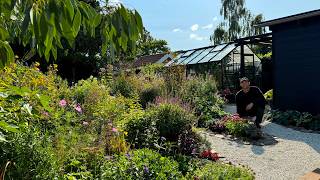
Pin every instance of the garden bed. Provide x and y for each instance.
(234, 128)
(110, 127)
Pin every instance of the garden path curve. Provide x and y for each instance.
(295, 154)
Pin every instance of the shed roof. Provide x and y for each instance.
(150, 59)
(290, 18)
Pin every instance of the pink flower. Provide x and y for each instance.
(45, 113)
(114, 130)
(63, 103)
(78, 108)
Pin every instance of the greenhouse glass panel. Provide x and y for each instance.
(201, 56)
(219, 47)
(192, 56)
(224, 52)
(187, 53)
(208, 57)
(176, 59)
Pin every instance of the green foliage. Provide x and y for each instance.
(187, 164)
(50, 130)
(141, 164)
(148, 45)
(292, 117)
(31, 156)
(237, 128)
(171, 120)
(142, 130)
(191, 143)
(148, 96)
(153, 69)
(269, 95)
(202, 94)
(123, 87)
(216, 171)
(265, 56)
(238, 22)
(43, 24)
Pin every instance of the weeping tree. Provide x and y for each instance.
(43, 25)
(238, 22)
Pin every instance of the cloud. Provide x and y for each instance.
(197, 37)
(115, 2)
(177, 30)
(209, 26)
(194, 27)
(215, 19)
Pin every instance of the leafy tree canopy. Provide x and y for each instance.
(44, 24)
(238, 22)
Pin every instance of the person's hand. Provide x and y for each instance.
(249, 106)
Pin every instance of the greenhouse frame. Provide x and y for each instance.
(222, 61)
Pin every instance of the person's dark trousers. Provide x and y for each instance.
(259, 116)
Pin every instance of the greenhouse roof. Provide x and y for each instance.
(203, 55)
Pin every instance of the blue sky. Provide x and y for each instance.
(187, 24)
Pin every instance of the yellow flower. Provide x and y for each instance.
(37, 64)
(125, 133)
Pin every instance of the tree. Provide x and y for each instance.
(148, 45)
(238, 22)
(42, 25)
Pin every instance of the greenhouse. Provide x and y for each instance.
(223, 61)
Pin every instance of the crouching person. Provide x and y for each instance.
(250, 102)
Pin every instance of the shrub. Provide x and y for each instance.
(142, 130)
(171, 120)
(174, 101)
(237, 128)
(221, 171)
(115, 140)
(152, 69)
(148, 96)
(30, 155)
(292, 117)
(191, 143)
(202, 95)
(187, 164)
(141, 164)
(122, 86)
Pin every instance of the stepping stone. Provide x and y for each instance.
(314, 175)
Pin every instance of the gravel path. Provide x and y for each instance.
(295, 154)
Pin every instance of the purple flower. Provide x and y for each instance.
(194, 151)
(146, 169)
(63, 103)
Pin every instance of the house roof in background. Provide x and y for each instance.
(290, 18)
(150, 59)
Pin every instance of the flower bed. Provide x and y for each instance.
(237, 127)
(93, 130)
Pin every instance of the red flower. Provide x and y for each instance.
(210, 155)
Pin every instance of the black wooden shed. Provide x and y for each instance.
(296, 61)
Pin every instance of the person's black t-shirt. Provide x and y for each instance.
(255, 96)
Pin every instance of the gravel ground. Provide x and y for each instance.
(295, 154)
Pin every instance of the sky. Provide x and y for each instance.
(187, 24)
